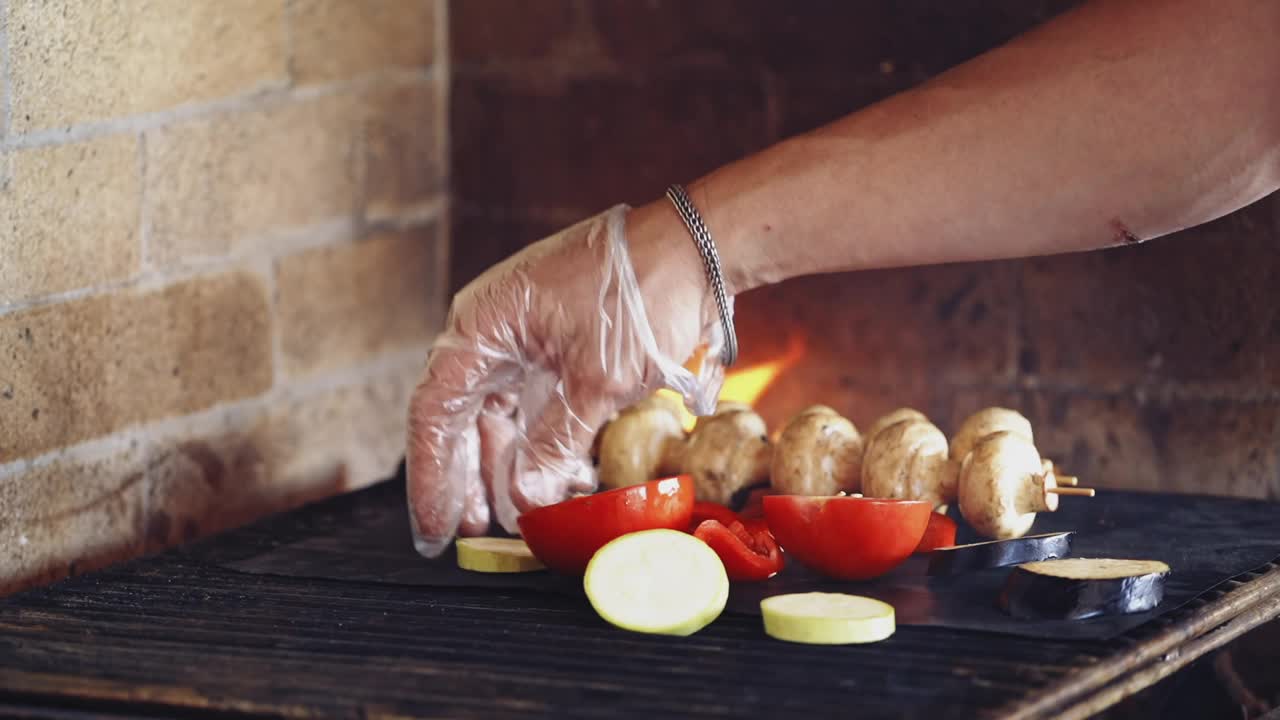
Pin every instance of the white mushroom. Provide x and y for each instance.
(727, 452)
(1004, 483)
(818, 453)
(908, 460)
(893, 418)
(643, 443)
(987, 422)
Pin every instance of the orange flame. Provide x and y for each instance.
(747, 384)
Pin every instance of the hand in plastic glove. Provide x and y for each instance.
(537, 354)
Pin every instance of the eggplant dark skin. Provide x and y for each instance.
(999, 553)
(1032, 595)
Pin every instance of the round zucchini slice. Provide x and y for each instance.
(496, 555)
(663, 582)
(818, 618)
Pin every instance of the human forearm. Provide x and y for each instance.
(1120, 121)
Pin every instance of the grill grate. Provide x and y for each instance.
(179, 634)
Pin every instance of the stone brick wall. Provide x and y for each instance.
(1151, 367)
(222, 255)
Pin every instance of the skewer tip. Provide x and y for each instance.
(1082, 492)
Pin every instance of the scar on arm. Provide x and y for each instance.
(1121, 234)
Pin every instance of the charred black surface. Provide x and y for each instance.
(184, 635)
(1032, 592)
(999, 553)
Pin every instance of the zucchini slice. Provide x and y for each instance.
(959, 559)
(1079, 588)
(663, 582)
(496, 555)
(818, 618)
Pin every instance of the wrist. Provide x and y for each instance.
(736, 212)
(660, 242)
(664, 257)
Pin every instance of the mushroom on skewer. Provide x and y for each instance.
(726, 451)
(908, 460)
(987, 422)
(1003, 484)
(818, 453)
(643, 443)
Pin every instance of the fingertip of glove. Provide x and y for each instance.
(430, 548)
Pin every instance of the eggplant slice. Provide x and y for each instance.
(1079, 588)
(959, 559)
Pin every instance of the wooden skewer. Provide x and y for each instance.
(1063, 480)
(1083, 492)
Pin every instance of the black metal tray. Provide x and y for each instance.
(365, 537)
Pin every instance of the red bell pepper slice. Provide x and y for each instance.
(747, 555)
(941, 532)
(703, 510)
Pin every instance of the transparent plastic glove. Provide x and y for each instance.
(536, 356)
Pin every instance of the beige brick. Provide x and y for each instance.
(263, 462)
(513, 32)
(206, 479)
(864, 399)
(1197, 309)
(950, 324)
(820, 382)
(68, 517)
(404, 160)
(4, 103)
(343, 439)
(960, 403)
(341, 305)
(336, 39)
(213, 183)
(79, 370)
(1210, 447)
(81, 60)
(69, 217)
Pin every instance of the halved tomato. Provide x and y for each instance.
(941, 532)
(848, 538)
(747, 553)
(564, 536)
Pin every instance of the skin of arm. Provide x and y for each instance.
(1117, 122)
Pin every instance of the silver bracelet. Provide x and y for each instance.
(711, 263)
